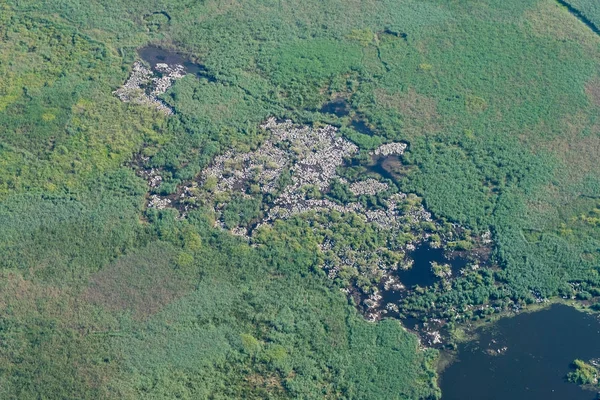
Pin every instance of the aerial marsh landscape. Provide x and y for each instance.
(289, 199)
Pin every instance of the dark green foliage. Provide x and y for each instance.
(241, 211)
(340, 192)
(584, 374)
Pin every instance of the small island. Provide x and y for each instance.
(584, 373)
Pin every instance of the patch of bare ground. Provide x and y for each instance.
(142, 282)
(592, 89)
(29, 302)
(419, 112)
(264, 381)
(23, 296)
(578, 152)
(542, 206)
(27, 299)
(578, 147)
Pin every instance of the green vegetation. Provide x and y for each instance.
(103, 298)
(588, 10)
(584, 374)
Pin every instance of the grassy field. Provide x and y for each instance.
(101, 298)
(588, 11)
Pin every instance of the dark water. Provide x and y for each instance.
(401, 35)
(420, 274)
(387, 166)
(337, 107)
(361, 126)
(163, 13)
(154, 55)
(540, 348)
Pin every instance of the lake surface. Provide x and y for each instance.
(536, 350)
